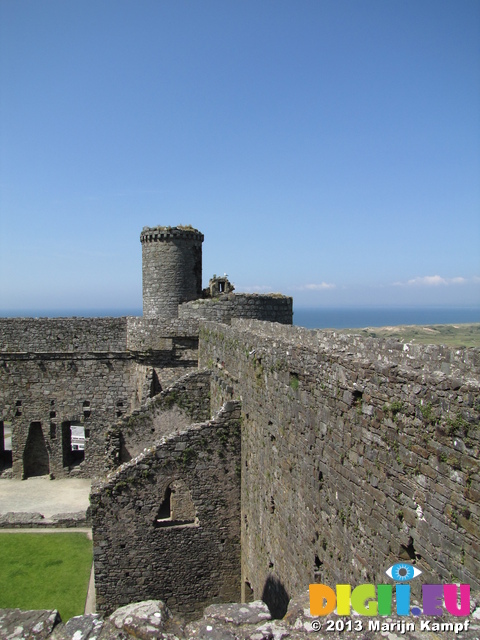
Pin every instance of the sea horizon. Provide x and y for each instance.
(362, 317)
(344, 317)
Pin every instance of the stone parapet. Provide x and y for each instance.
(157, 334)
(356, 453)
(158, 234)
(54, 335)
(272, 308)
(235, 621)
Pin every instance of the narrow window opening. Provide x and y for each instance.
(155, 386)
(164, 512)
(177, 507)
(272, 505)
(86, 409)
(317, 571)
(53, 431)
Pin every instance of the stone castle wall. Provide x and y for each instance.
(170, 347)
(158, 334)
(355, 453)
(166, 524)
(43, 396)
(53, 335)
(55, 372)
(272, 307)
(185, 402)
(331, 457)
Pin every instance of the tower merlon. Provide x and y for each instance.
(159, 233)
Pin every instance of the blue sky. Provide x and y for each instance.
(329, 150)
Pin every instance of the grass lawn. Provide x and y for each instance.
(45, 571)
(451, 335)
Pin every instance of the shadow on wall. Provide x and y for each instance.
(275, 597)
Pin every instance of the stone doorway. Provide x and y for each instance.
(73, 444)
(5, 446)
(35, 454)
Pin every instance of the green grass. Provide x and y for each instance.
(451, 335)
(45, 571)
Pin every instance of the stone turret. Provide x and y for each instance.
(171, 269)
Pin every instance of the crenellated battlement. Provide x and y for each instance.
(160, 233)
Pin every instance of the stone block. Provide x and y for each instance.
(34, 625)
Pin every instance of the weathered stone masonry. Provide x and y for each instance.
(272, 307)
(167, 524)
(171, 269)
(61, 373)
(185, 402)
(55, 372)
(355, 453)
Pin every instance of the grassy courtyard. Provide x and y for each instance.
(45, 571)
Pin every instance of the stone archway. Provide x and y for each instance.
(35, 454)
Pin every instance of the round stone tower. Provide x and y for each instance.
(171, 269)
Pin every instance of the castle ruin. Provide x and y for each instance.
(236, 456)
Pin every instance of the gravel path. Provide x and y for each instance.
(45, 496)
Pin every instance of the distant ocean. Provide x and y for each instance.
(360, 317)
(311, 318)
